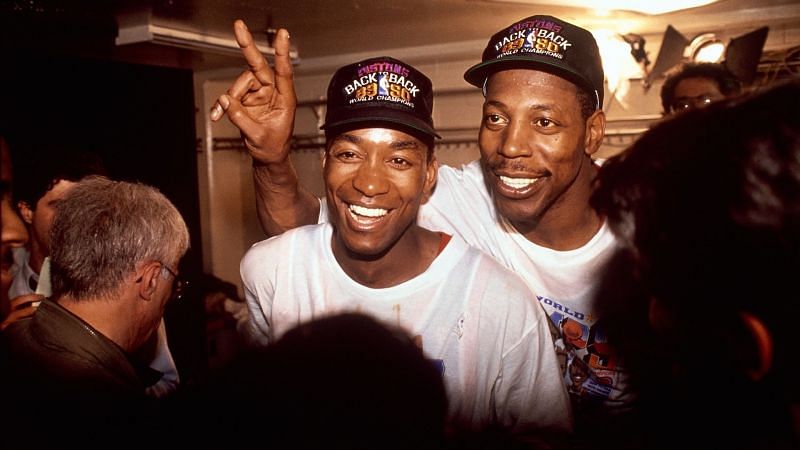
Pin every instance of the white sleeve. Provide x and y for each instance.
(525, 382)
(163, 362)
(530, 389)
(460, 204)
(257, 272)
(323, 211)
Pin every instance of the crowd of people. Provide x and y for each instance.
(528, 299)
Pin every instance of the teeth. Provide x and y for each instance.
(368, 212)
(517, 183)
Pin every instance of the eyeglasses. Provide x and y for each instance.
(178, 285)
(687, 103)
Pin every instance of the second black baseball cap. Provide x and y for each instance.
(544, 43)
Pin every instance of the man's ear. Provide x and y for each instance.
(763, 343)
(147, 279)
(431, 174)
(595, 130)
(25, 211)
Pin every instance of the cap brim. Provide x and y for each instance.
(477, 74)
(382, 116)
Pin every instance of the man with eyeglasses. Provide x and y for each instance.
(41, 182)
(178, 284)
(696, 85)
(115, 252)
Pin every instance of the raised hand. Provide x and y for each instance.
(262, 101)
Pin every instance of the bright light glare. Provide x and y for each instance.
(651, 7)
(618, 63)
(711, 52)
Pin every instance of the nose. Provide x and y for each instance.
(516, 140)
(14, 233)
(370, 179)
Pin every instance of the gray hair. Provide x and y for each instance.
(102, 229)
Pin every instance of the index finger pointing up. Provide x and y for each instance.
(258, 64)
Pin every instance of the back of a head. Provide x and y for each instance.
(341, 381)
(103, 228)
(709, 202)
(728, 171)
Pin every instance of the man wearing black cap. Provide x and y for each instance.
(526, 202)
(473, 317)
(542, 80)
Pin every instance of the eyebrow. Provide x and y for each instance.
(536, 107)
(405, 144)
(347, 137)
(395, 144)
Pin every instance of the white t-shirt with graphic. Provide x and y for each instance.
(472, 314)
(564, 281)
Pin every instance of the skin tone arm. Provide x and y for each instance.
(21, 307)
(261, 103)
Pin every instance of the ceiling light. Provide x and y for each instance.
(705, 48)
(741, 54)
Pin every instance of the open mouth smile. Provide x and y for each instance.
(517, 184)
(366, 216)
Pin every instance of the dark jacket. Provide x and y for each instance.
(66, 373)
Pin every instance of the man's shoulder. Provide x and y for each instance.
(495, 272)
(301, 240)
(470, 171)
(288, 238)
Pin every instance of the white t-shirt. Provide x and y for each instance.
(564, 281)
(474, 316)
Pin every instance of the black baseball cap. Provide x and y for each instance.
(543, 43)
(381, 89)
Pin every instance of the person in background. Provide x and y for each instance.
(42, 183)
(14, 235)
(225, 317)
(693, 85)
(707, 205)
(525, 202)
(115, 252)
(476, 319)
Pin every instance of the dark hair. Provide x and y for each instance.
(209, 283)
(587, 101)
(340, 381)
(36, 175)
(708, 206)
(726, 81)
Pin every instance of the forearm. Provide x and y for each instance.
(281, 202)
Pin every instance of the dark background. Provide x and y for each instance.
(140, 120)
